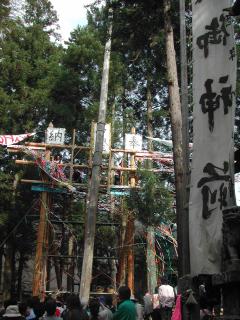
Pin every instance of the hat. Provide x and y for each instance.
(12, 312)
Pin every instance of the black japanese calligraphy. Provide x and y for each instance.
(209, 196)
(232, 53)
(210, 101)
(216, 34)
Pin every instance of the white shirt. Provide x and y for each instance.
(166, 295)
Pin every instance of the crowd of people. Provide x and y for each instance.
(124, 307)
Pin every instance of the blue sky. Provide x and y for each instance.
(70, 13)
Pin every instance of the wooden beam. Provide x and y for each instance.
(58, 146)
(79, 257)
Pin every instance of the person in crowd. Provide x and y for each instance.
(156, 305)
(39, 310)
(148, 305)
(50, 307)
(32, 302)
(94, 307)
(126, 308)
(7, 303)
(23, 309)
(12, 312)
(74, 309)
(60, 308)
(109, 303)
(139, 308)
(105, 310)
(166, 299)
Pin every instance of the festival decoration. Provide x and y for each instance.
(52, 168)
(8, 140)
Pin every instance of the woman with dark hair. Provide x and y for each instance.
(74, 309)
(50, 307)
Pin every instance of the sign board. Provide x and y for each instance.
(106, 138)
(214, 87)
(55, 135)
(133, 142)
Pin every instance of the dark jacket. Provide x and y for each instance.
(236, 8)
(75, 314)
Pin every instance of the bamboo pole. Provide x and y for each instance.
(90, 228)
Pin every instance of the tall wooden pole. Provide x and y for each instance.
(130, 230)
(185, 138)
(41, 254)
(90, 226)
(176, 124)
(150, 254)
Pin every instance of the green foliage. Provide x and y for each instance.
(77, 87)
(153, 203)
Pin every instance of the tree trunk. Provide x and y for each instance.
(71, 265)
(130, 250)
(90, 227)
(7, 273)
(20, 273)
(176, 124)
(151, 262)
(122, 252)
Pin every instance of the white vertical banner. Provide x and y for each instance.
(214, 81)
(106, 138)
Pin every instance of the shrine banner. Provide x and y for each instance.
(214, 80)
(9, 139)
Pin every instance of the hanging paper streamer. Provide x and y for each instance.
(214, 79)
(53, 169)
(8, 140)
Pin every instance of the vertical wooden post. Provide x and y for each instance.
(90, 225)
(130, 229)
(39, 265)
(130, 257)
(132, 165)
(39, 271)
(72, 154)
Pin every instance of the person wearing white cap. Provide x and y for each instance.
(13, 313)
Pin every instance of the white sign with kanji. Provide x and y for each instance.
(133, 142)
(55, 135)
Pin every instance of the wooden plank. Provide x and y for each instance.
(52, 146)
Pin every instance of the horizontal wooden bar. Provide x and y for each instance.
(60, 146)
(81, 185)
(79, 257)
(123, 150)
